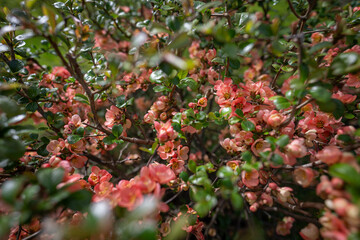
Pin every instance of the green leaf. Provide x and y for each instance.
(282, 141)
(236, 200)
(234, 120)
(180, 41)
(157, 76)
(188, 82)
(225, 111)
(60, 5)
(239, 112)
(345, 172)
(50, 178)
(16, 65)
(276, 159)
(81, 98)
(345, 63)
(334, 106)
(192, 166)
(246, 156)
(280, 102)
(320, 46)
(80, 131)
(79, 201)
(32, 106)
(161, 88)
(225, 172)
(304, 72)
(247, 126)
(182, 74)
(10, 189)
(117, 130)
(109, 139)
(320, 93)
(184, 176)
(73, 138)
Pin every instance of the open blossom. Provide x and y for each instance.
(242, 104)
(224, 92)
(233, 164)
(161, 173)
(231, 146)
(77, 161)
(310, 232)
(55, 146)
(145, 181)
(329, 155)
(183, 152)
(259, 146)
(128, 196)
(165, 131)
(115, 116)
(202, 102)
(102, 190)
(177, 165)
(98, 175)
(251, 178)
(210, 55)
(166, 151)
(304, 176)
(297, 148)
(77, 147)
(344, 98)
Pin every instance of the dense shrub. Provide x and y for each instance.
(169, 119)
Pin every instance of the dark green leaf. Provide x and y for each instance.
(16, 65)
(247, 126)
(50, 178)
(117, 130)
(321, 94)
(73, 139)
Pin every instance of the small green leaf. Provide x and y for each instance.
(10, 189)
(73, 138)
(109, 139)
(81, 98)
(117, 130)
(236, 200)
(157, 76)
(247, 156)
(280, 102)
(282, 141)
(50, 178)
(32, 106)
(321, 94)
(247, 126)
(192, 166)
(276, 159)
(161, 88)
(16, 65)
(345, 172)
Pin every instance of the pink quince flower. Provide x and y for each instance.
(329, 155)
(310, 232)
(166, 151)
(251, 178)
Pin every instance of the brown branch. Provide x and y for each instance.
(126, 139)
(296, 216)
(293, 10)
(34, 235)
